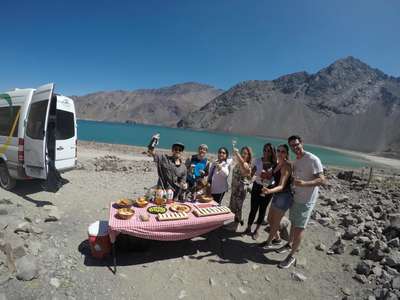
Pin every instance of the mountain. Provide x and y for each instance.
(346, 105)
(164, 106)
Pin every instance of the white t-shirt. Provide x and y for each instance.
(305, 169)
(219, 182)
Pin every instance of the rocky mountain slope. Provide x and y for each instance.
(164, 106)
(346, 105)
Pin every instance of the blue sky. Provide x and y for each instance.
(88, 46)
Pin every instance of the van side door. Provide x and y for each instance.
(35, 133)
(65, 134)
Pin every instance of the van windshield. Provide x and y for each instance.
(36, 120)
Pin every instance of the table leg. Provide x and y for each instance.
(114, 258)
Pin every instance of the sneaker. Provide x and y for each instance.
(255, 235)
(266, 245)
(284, 248)
(277, 242)
(287, 262)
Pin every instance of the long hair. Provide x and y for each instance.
(272, 156)
(249, 151)
(226, 151)
(286, 148)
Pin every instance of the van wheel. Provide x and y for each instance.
(6, 181)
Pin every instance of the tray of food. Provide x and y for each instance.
(211, 211)
(172, 216)
(125, 213)
(124, 202)
(178, 207)
(141, 202)
(157, 209)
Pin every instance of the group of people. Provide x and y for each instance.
(272, 180)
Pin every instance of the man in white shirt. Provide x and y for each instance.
(308, 175)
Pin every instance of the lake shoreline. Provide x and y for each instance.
(137, 151)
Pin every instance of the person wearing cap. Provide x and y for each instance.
(198, 166)
(171, 170)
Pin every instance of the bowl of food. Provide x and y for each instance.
(176, 207)
(157, 209)
(124, 203)
(141, 202)
(205, 199)
(125, 213)
(160, 201)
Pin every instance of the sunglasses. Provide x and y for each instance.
(177, 149)
(221, 152)
(294, 145)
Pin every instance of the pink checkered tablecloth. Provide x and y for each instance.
(164, 230)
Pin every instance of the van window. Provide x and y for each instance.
(7, 119)
(65, 128)
(36, 120)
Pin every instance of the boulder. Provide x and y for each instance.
(27, 268)
(363, 267)
(395, 221)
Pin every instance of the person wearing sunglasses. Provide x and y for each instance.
(308, 175)
(171, 170)
(282, 197)
(259, 201)
(219, 172)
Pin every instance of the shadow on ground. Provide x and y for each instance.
(29, 187)
(219, 246)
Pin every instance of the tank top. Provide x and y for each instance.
(277, 176)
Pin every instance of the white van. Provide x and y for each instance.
(36, 127)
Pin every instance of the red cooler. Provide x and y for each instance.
(99, 239)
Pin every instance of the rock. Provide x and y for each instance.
(343, 199)
(212, 282)
(355, 251)
(242, 290)
(363, 268)
(391, 271)
(182, 294)
(349, 220)
(298, 276)
(338, 247)
(53, 214)
(393, 259)
(267, 278)
(396, 283)
(377, 270)
(23, 227)
(363, 240)
(346, 291)
(391, 296)
(320, 247)
(325, 221)
(55, 282)
(255, 267)
(26, 268)
(394, 220)
(350, 232)
(394, 243)
(361, 278)
(380, 293)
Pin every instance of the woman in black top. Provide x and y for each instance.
(259, 201)
(282, 196)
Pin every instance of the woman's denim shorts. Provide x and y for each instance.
(282, 201)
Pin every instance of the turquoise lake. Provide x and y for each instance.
(140, 135)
